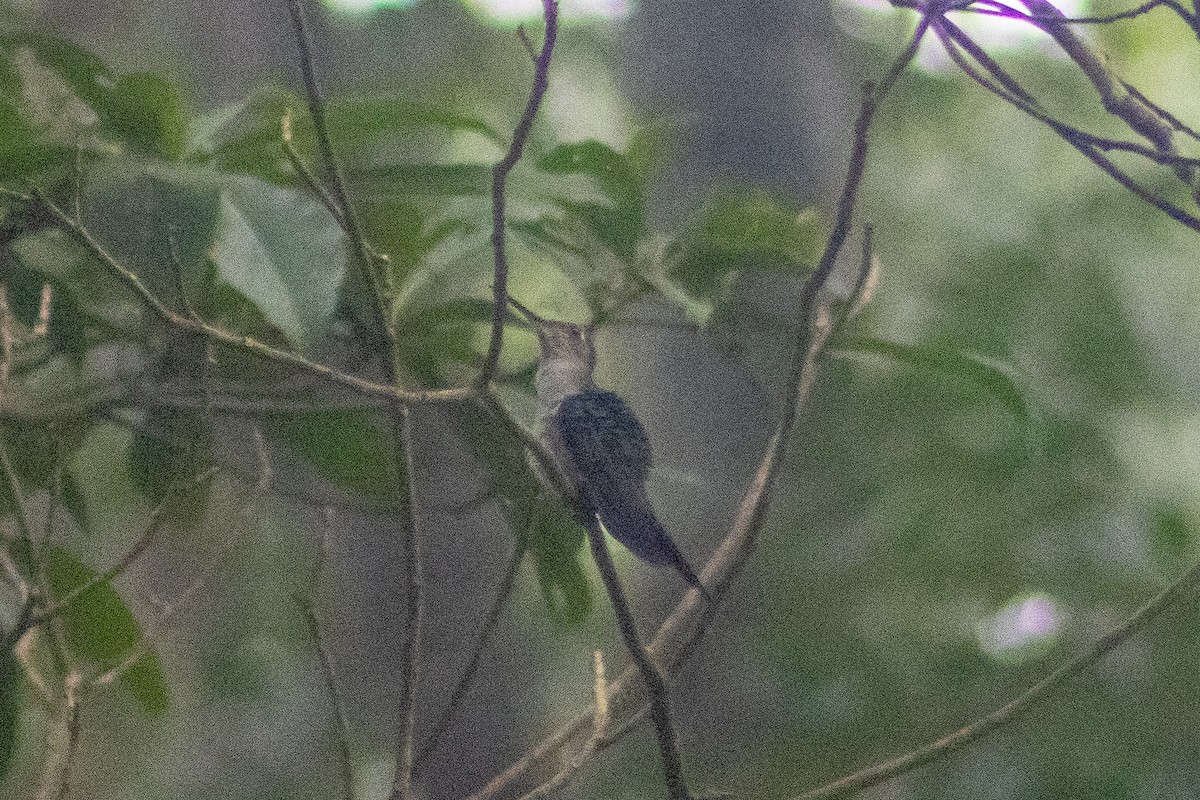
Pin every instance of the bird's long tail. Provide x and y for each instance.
(628, 519)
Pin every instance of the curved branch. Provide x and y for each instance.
(679, 635)
(500, 186)
(246, 344)
(1019, 705)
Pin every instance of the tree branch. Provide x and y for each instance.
(682, 631)
(411, 557)
(660, 706)
(245, 343)
(503, 592)
(344, 213)
(1019, 705)
(499, 188)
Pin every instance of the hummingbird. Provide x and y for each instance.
(598, 442)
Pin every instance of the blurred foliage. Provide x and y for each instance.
(1011, 425)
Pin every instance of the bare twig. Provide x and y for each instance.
(499, 188)
(310, 180)
(997, 9)
(656, 687)
(503, 591)
(411, 558)
(308, 605)
(1090, 146)
(167, 610)
(1019, 705)
(152, 633)
(247, 344)
(344, 212)
(144, 540)
(56, 779)
(600, 719)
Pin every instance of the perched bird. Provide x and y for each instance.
(600, 446)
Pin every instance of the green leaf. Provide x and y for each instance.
(171, 449)
(1172, 534)
(544, 524)
(33, 452)
(284, 252)
(349, 448)
(10, 709)
(618, 223)
(991, 375)
(100, 627)
(83, 71)
(424, 180)
(610, 169)
(740, 230)
(24, 152)
(146, 110)
(246, 136)
(556, 539)
(85, 298)
(156, 219)
(437, 336)
(75, 502)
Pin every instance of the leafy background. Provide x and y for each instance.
(1008, 435)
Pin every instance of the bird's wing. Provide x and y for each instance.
(605, 447)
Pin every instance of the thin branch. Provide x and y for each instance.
(1002, 10)
(245, 343)
(1116, 100)
(56, 776)
(308, 605)
(682, 631)
(499, 189)
(656, 688)
(153, 633)
(153, 524)
(600, 702)
(306, 175)
(467, 680)
(410, 654)
(1019, 705)
(1092, 147)
(167, 610)
(337, 186)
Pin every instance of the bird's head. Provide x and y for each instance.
(561, 341)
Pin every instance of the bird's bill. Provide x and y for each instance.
(523, 311)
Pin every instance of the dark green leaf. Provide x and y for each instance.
(10, 709)
(145, 110)
(100, 627)
(349, 448)
(24, 152)
(85, 296)
(556, 539)
(84, 72)
(618, 228)
(546, 527)
(437, 336)
(158, 220)
(610, 169)
(246, 137)
(171, 449)
(75, 502)
(1172, 534)
(425, 180)
(744, 230)
(33, 452)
